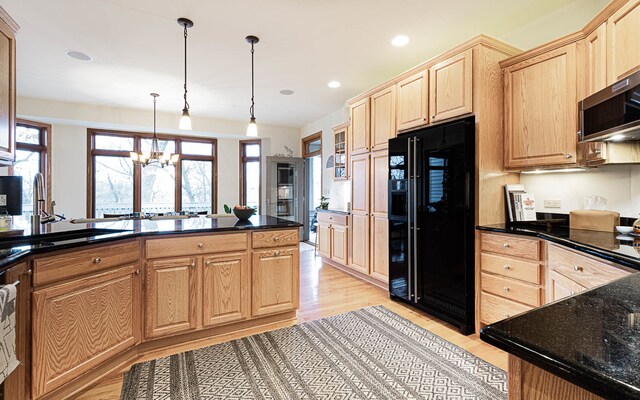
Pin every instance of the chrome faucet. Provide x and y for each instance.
(39, 200)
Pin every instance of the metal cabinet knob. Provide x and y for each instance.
(277, 253)
(506, 288)
(577, 268)
(276, 238)
(137, 272)
(506, 245)
(572, 292)
(200, 245)
(97, 260)
(506, 267)
(193, 265)
(569, 156)
(597, 152)
(207, 263)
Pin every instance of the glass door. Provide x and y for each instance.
(284, 188)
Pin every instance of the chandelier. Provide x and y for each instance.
(155, 156)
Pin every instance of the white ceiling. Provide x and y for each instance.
(137, 46)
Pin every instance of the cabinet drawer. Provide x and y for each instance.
(494, 308)
(287, 237)
(583, 270)
(511, 245)
(511, 267)
(193, 245)
(331, 218)
(512, 289)
(68, 265)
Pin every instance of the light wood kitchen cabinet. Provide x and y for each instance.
(340, 151)
(559, 287)
(623, 41)
(359, 224)
(360, 183)
(379, 224)
(379, 183)
(379, 248)
(451, 87)
(383, 117)
(171, 292)
(225, 287)
(16, 384)
(540, 96)
(339, 243)
(8, 30)
(324, 239)
(275, 281)
(359, 244)
(412, 103)
(81, 323)
(333, 237)
(595, 49)
(359, 140)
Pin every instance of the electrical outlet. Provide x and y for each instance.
(552, 204)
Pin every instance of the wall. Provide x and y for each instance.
(69, 131)
(338, 192)
(619, 184)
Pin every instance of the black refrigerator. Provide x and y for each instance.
(431, 220)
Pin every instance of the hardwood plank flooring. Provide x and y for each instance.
(325, 291)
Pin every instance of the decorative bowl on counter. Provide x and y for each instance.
(624, 229)
(243, 214)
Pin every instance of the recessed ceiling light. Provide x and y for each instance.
(333, 84)
(77, 55)
(287, 92)
(400, 40)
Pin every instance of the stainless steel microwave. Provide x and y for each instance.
(612, 113)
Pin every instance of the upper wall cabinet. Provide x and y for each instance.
(623, 41)
(8, 29)
(360, 124)
(596, 60)
(412, 101)
(540, 99)
(383, 118)
(451, 87)
(340, 162)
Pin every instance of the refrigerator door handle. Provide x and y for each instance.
(415, 222)
(409, 227)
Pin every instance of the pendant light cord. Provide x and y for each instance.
(252, 85)
(186, 104)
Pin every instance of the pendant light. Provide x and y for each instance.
(185, 120)
(252, 129)
(155, 156)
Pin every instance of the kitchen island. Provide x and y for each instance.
(585, 346)
(94, 297)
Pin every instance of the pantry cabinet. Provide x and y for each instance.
(412, 99)
(451, 87)
(623, 41)
(540, 110)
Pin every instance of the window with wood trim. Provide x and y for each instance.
(250, 179)
(312, 145)
(116, 186)
(33, 154)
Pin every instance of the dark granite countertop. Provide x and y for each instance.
(126, 229)
(621, 249)
(591, 339)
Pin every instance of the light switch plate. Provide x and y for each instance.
(552, 204)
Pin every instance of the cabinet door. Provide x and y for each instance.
(339, 239)
(541, 110)
(359, 171)
(79, 324)
(559, 287)
(623, 41)
(359, 241)
(225, 288)
(275, 281)
(412, 104)
(7, 92)
(360, 124)
(451, 87)
(324, 239)
(383, 118)
(379, 183)
(596, 60)
(380, 248)
(170, 296)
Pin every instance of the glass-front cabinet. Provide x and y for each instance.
(340, 155)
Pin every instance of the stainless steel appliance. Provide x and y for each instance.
(431, 221)
(285, 186)
(612, 113)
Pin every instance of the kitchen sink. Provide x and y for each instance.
(49, 239)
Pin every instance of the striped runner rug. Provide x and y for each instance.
(370, 353)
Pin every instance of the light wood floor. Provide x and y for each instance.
(326, 291)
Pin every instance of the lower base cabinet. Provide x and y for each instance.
(81, 323)
(275, 281)
(225, 289)
(380, 248)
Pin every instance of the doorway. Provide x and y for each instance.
(312, 154)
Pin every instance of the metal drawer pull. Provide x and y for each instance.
(277, 253)
(569, 156)
(137, 272)
(275, 239)
(97, 260)
(207, 263)
(506, 267)
(193, 265)
(505, 245)
(16, 283)
(506, 288)
(577, 268)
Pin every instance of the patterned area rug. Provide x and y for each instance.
(370, 353)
